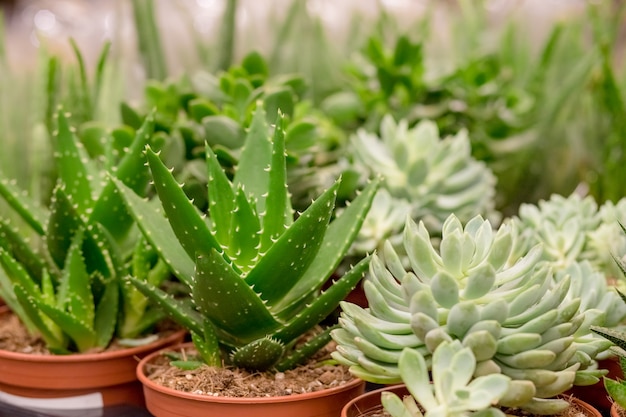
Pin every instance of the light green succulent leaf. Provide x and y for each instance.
(423, 302)
(479, 281)
(461, 317)
(482, 343)
(245, 228)
(414, 372)
(445, 289)
(424, 260)
(451, 249)
(617, 391)
(399, 408)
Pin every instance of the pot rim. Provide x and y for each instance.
(149, 384)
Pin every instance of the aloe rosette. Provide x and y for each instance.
(253, 273)
(475, 288)
(433, 176)
(66, 283)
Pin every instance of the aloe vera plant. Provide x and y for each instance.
(253, 272)
(66, 284)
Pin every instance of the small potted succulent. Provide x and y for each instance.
(252, 272)
(65, 283)
(503, 304)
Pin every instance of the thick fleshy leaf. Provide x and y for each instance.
(223, 297)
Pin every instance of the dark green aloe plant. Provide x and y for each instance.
(66, 284)
(254, 273)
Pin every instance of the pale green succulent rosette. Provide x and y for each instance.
(432, 176)
(607, 241)
(581, 240)
(476, 288)
(454, 391)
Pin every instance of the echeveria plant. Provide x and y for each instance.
(450, 389)
(66, 283)
(425, 176)
(504, 306)
(254, 272)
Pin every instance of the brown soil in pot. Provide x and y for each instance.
(314, 376)
(14, 337)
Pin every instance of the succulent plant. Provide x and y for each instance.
(504, 305)
(254, 273)
(425, 177)
(66, 283)
(454, 391)
(579, 240)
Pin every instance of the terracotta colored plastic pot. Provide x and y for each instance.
(166, 402)
(75, 381)
(370, 401)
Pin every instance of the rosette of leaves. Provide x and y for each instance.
(425, 175)
(66, 283)
(503, 305)
(253, 272)
(452, 391)
(571, 230)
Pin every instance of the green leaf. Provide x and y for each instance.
(72, 165)
(106, 314)
(32, 213)
(77, 298)
(190, 228)
(278, 213)
(223, 131)
(22, 250)
(223, 297)
(159, 233)
(109, 209)
(244, 234)
(50, 332)
(221, 199)
(617, 391)
(323, 305)
(337, 240)
(256, 157)
(177, 310)
(258, 355)
(288, 258)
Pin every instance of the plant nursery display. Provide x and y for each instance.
(190, 214)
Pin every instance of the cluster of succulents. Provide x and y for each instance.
(476, 288)
(67, 282)
(424, 177)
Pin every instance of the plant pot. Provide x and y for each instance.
(77, 381)
(616, 410)
(369, 402)
(167, 402)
